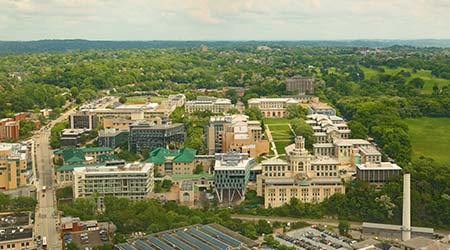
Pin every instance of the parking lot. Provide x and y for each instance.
(93, 238)
(314, 238)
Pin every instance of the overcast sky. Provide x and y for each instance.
(224, 19)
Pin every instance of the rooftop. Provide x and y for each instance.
(9, 234)
(110, 132)
(71, 167)
(233, 161)
(396, 227)
(16, 150)
(16, 219)
(67, 131)
(378, 166)
(369, 150)
(78, 155)
(325, 160)
(265, 99)
(424, 243)
(149, 105)
(190, 238)
(159, 155)
(351, 142)
(136, 167)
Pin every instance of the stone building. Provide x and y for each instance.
(300, 84)
(237, 134)
(301, 176)
(272, 107)
(206, 103)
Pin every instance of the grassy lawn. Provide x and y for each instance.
(269, 121)
(281, 133)
(136, 99)
(430, 137)
(424, 74)
(280, 145)
(143, 99)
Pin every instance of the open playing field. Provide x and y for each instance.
(143, 99)
(424, 74)
(430, 137)
(281, 133)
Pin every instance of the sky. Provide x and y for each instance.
(224, 19)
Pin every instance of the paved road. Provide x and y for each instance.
(47, 218)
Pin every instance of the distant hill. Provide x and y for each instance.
(78, 44)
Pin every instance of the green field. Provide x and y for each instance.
(424, 74)
(143, 99)
(136, 99)
(430, 137)
(282, 121)
(281, 133)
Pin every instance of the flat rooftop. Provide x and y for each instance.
(15, 233)
(378, 166)
(205, 237)
(396, 227)
(18, 219)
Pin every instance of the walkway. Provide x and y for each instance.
(272, 143)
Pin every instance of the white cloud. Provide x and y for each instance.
(224, 19)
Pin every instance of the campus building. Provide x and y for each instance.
(122, 116)
(231, 175)
(317, 107)
(214, 132)
(174, 162)
(9, 129)
(301, 176)
(133, 181)
(235, 133)
(81, 155)
(83, 120)
(112, 138)
(207, 103)
(16, 231)
(377, 173)
(328, 128)
(64, 174)
(146, 136)
(13, 165)
(187, 189)
(300, 84)
(71, 138)
(272, 107)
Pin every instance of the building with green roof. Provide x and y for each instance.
(81, 155)
(64, 174)
(174, 162)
